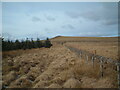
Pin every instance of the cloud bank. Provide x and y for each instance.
(46, 19)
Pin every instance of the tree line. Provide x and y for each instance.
(8, 45)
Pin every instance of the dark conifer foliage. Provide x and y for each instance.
(48, 43)
(8, 45)
(39, 43)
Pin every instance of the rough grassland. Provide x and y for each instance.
(55, 67)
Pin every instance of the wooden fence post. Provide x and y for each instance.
(93, 61)
(80, 55)
(118, 77)
(101, 67)
(86, 58)
(93, 57)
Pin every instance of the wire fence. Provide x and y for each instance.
(82, 54)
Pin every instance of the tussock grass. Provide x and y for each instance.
(83, 69)
(57, 67)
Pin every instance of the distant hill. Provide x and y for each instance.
(77, 39)
(56, 37)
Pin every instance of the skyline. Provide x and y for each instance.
(49, 19)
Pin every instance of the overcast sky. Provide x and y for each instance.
(49, 19)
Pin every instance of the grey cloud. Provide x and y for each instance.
(91, 15)
(110, 10)
(110, 22)
(73, 14)
(68, 26)
(87, 15)
(107, 11)
(50, 18)
(36, 19)
(107, 19)
(97, 34)
(47, 30)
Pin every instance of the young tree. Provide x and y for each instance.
(8, 45)
(47, 43)
(17, 44)
(27, 44)
(23, 45)
(32, 43)
(39, 43)
(3, 44)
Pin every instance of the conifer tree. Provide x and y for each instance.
(27, 44)
(17, 44)
(48, 43)
(39, 43)
(32, 43)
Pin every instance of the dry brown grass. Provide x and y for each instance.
(109, 49)
(15, 53)
(84, 39)
(55, 67)
(83, 69)
(104, 46)
(90, 76)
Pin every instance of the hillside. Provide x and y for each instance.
(55, 67)
(83, 39)
(104, 46)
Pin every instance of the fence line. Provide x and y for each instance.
(118, 70)
(94, 56)
(101, 67)
(101, 59)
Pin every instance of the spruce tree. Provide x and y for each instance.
(39, 43)
(17, 44)
(48, 43)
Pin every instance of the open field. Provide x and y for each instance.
(84, 39)
(104, 46)
(109, 49)
(58, 67)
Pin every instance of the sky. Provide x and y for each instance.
(22, 20)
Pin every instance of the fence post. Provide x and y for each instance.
(80, 55)
(118, 77)
(86, 58)
(101, 67)
(93, 61)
